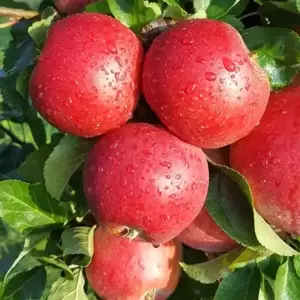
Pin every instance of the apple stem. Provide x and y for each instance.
(17, 13)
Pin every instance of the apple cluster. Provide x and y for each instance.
(146, 184)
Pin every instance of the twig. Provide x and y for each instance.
(13, 137)
(17, 13)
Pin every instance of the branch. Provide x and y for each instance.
(17, 13)
(13, 137)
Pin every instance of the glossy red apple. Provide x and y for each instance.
(204, 234)
(269, 158)
(87, 79)
(71, 6)
(143, 177)
(122, 269)
(204, 84)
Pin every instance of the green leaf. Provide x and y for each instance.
(287, 284)
(134, 13)
(25, 207)
(233, 21)
(219, 8)
(32, 169)
(243, 284)
(229, 207)
(58, 263)
(296, 260)
(79, 240)
(30, 242)
(52, 274)
(33, 4)
(201, 5)
(210, 271)
(249, 256)
(69, 154)
(264, 233)
(22, 82)
(100, 7)
(277, 51)
(38, 30)
(266, 291)
(174, 10)
(69, 289)
(26, 285)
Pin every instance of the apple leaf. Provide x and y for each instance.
(69, 289)
(32, 169)
(26, 285)
(174, 10)
(100, 7)
(210, 271)
(296, 260)
(243, 283)
(266, 292)
(38, 30)
(229, 207)
(79, 240)
(277, 51)
(264, 233)
(29, 243)
(134, 13)
(219, 8)
(249, 256)
(51, 277)
(287, 283)
(25, 207)
(58, 263)
(201, 5)
(69, 154)
(33, 4)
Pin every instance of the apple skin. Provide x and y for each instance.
(204, 234)
(143, 177)
(269, 158)
(122, 269)
(71, 6)
(87, 79)
(200, 79)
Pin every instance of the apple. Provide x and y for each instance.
(143, 177)
(269, 158)
(122, 269)
(204, 84)
(87, 79)
(204, 234)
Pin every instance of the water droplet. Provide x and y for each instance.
(210, 76)
(119, 61)
(178, 176)
(39, 86)
(119, 95)
(200, 59)
(232, 76)
(194, 185)
(89, 190)
(228, 64)
(112, 49)
(40, 95)
(190, 88)
(68, 102)
(165, 163)
(177, 66)
(130, 169)
(187, 41)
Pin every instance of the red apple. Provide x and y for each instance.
(204, 234)
(143, 177)
(204, 85)
(86, 81)
(122, 269)
(269, 158)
